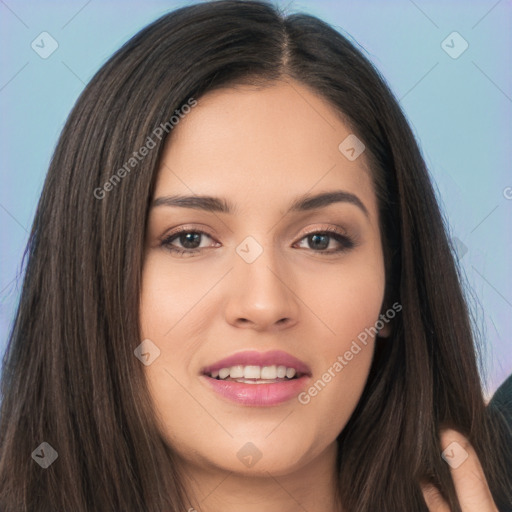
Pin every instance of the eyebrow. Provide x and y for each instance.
(221, 205)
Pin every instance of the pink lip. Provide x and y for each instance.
(253, 357)
(258, 394)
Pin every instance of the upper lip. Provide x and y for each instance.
(253, 357)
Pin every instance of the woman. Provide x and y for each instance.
(239, 291)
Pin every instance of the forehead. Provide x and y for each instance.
(266, 143)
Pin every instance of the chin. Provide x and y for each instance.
(256, 455)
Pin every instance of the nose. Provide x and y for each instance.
(261, 295)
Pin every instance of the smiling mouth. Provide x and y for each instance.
(253, 374)
(258, 379)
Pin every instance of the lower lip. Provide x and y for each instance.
(257, 394)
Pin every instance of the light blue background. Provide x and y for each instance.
(460, 110)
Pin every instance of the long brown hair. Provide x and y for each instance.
(70, 377)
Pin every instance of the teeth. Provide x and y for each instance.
(290, 372)
(252, 381)
(223, 373)
(269, 372)
(251, 374)
(236, 372)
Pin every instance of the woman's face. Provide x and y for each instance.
(258, 281)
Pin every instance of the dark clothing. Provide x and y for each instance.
(500, 410)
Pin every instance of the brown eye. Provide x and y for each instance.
(189, 239)
(319, 241)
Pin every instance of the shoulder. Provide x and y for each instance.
(502, 402)
(500, 414)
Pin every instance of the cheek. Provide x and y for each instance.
(345, 300)
(171, 299)
(338, 382)
(349, 303)
(166, 301)
(173, 316)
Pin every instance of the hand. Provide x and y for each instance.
(468, 478)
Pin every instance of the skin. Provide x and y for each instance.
(260, 148)
(468, 478)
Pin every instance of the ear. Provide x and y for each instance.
(386, 331)
(387, 328)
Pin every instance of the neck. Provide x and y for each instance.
(311, 487)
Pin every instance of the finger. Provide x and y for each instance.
(433, 499)
(467, 473)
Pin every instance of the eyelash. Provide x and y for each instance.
(346, 242)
